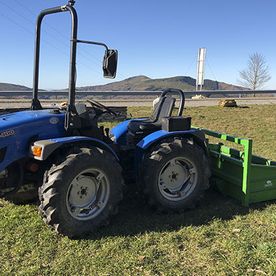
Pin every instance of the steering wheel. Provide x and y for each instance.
(101, 106)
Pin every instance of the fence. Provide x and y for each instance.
(129, 94)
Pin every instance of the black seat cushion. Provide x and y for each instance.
(142, 126)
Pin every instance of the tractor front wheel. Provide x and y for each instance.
(176, 174)
(81, 192)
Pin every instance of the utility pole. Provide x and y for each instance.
(200, 68)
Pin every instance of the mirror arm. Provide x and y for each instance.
(93, 43)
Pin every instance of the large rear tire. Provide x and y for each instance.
(81, 192)
(176, 174)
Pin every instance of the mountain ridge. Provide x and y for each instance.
(142, 83)
(13, 87)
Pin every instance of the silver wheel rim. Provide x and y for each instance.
(88, 194)
(177, 179)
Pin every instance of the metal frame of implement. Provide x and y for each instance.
(240, 174)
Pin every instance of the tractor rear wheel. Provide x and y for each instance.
(81, 192)
(176, 174)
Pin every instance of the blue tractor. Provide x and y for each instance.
(79, 168)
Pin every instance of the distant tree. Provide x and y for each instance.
(257, 72)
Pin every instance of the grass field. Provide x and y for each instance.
(218, 238)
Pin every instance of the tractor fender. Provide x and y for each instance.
(156, 137)
(51, 145)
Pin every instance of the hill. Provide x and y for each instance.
(144, 83)
(13, 87)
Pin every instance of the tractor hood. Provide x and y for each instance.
(19, 119)
(19, 130)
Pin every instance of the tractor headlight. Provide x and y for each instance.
(36, 151)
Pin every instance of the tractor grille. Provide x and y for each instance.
(3, 154)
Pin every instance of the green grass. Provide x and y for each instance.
(218, 238)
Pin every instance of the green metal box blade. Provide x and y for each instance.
(228, 177)
(239, 174)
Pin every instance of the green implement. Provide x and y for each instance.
(240, 174)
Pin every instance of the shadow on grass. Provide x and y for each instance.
(135, 217)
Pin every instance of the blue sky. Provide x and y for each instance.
(157, 38)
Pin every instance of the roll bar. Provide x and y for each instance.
(73, 52)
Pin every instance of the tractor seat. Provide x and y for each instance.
(163, 109)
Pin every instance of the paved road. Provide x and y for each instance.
(22, 103)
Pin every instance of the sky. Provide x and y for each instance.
(156, 38)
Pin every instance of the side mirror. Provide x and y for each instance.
(110, 63)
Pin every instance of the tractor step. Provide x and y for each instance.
(240, 174)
